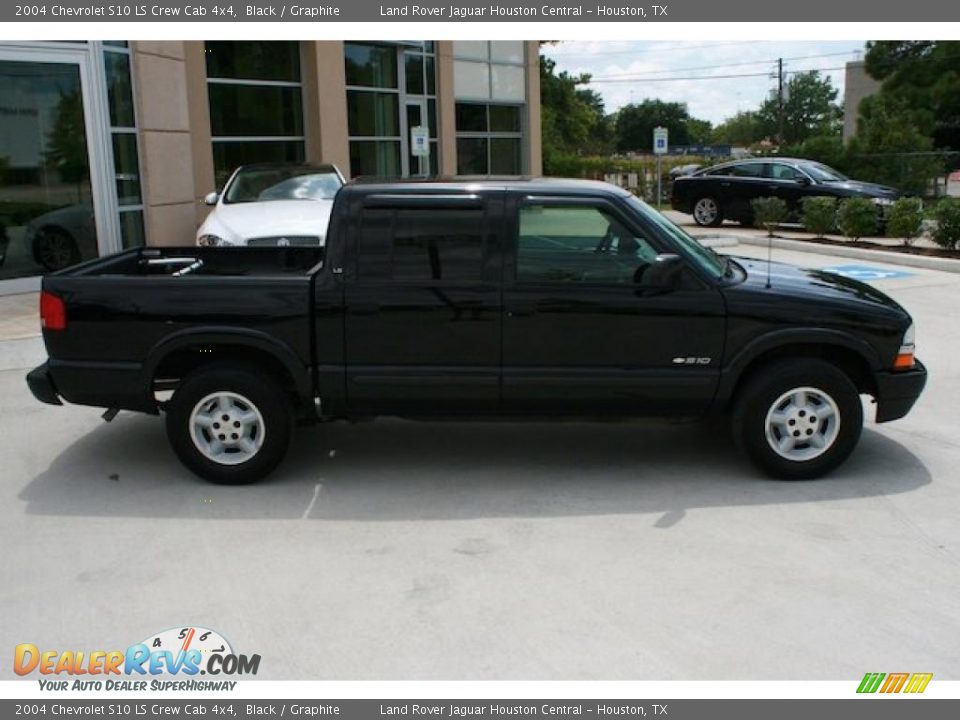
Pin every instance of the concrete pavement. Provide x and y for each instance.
(398, 550)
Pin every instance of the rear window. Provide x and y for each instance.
(422, 245)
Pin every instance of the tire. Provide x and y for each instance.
(707, 212)
(766, 412)
(55, 249)
(256, 407)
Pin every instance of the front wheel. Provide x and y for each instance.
(229, 424)
(798, 420)
(707, 212)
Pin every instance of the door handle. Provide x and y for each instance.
(365, 308)
(521, 311)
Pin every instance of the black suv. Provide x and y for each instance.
(723, 192)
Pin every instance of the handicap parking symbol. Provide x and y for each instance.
(867, 273)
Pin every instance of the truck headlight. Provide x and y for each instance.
(210, 241)
(905, 359)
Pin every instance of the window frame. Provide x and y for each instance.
(490, 135)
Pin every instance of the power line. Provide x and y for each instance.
(652, 51)
(644, 74)
(771, 74)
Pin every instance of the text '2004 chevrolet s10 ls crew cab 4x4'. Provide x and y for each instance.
(492, 299)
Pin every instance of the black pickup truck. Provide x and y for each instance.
(492, 299)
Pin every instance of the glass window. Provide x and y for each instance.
(746, 170)
(251, 110)
(371, 65)
(371, 114)
(431, 71)
(505, 156)
(375, 158)
(504, 118)
(579, 244)
(474, 49)
(422, 245)
(131, 229)
(126, 168)
(260, 60)
(508, 83)
(296, 182)
(471, 118)
(778, 171)
(119, 92)
(471, 79)
(472, 156)
(413, 64)
(508, 51)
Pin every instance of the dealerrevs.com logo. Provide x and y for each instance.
(154, 664)
(888, 683)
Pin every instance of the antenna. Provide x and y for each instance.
(769, 256)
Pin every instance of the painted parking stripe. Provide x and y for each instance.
(867, 272)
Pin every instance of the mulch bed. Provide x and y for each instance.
(867, 245)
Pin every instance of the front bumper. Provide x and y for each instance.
(41, 385)
(898, 391)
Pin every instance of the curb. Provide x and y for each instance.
(891, 258)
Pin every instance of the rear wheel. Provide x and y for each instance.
(55, 249)
(798, 419)
(707, 212)
(229, 424)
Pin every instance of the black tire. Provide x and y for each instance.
(253, 388)
(760, 394)
(55, 249)
(707, 219)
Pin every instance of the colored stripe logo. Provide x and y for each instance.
(894, 682)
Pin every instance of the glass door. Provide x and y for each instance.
(51, 182)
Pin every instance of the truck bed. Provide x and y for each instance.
(135, 317)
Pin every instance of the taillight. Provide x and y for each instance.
(53, 312)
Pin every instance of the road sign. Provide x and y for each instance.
(866, 273)
(419, 141)
(660, 141)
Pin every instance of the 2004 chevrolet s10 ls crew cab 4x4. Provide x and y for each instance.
(498, 299)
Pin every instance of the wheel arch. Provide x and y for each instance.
(181, 353)
(854, 357)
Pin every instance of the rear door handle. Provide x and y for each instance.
(521, 311)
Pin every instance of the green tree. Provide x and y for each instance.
(809, 108)
(572, 117)
(887, 142)
(924, 75)
(741, 129)
(699, 132)
(634, 124)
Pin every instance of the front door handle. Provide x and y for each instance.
(521, 310)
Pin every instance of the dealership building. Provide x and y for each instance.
(109, 145)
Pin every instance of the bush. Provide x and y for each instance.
(768, 212)
(819, 215)
(946, 216)
(905, 219)
(857, 217)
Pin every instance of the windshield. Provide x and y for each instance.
(823, 173)
(282, 183)
(706, 258)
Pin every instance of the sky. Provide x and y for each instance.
(645, 65)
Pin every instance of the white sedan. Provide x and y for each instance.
(272, 204)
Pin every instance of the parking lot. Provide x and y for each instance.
(400, 550)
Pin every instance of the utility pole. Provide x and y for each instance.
(780, 102)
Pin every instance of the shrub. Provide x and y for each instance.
(819, 215)
(768, 212)
(946, 229)
(857, 217)
(905, 219)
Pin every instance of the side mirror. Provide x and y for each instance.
(664, 272)
(803, 180)
(211, 198)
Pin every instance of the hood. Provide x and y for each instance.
(237, 223)
(864, 189)
(811, 284)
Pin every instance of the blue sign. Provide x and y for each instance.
(867, 273)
